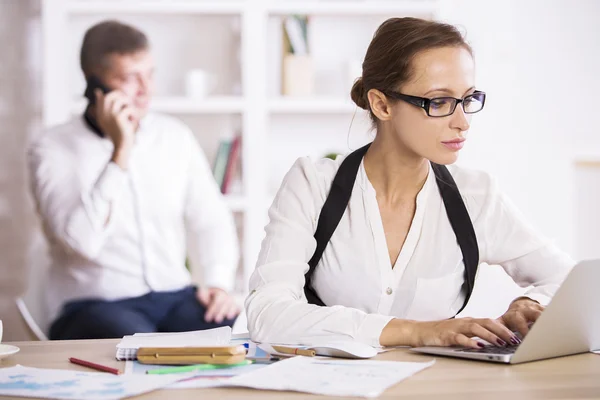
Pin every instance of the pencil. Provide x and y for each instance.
(294, 350)
(95, 366)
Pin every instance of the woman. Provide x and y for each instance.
(394, 250)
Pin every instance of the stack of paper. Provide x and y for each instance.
(129, 345)
(200, 378)
(64, 384)
(329, 376)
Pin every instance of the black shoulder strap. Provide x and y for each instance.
(461, 225)
(331, 214)
(337, 202)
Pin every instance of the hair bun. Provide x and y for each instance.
(358, 94)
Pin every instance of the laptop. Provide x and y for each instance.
(570, 324)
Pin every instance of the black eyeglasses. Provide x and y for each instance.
(442, 106)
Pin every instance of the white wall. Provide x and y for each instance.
(538, 60)
(19, 112)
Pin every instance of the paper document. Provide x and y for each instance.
(330, 377)
(200, 379)
(22, 381)
(128, 346)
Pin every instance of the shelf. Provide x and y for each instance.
(359, 8)
(312, 105)
(154, 7)
(277, 7)
(236, 203)
(186, 105)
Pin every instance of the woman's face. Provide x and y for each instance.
(442, 72)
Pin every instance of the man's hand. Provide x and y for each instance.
(521, 314)
(218, 303)
(116, 118)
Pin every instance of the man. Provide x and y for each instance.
(119, 192)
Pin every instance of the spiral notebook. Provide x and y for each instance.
(129, 345)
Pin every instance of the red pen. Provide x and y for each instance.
(95, 366)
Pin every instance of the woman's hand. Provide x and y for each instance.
(451, 332)
(460, 331)
(521, 314)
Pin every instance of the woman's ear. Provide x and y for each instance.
(380, 105)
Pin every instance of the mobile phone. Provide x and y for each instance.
(93, 83)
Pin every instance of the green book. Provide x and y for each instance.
(220, 165)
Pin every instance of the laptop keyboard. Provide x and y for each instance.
(492, 350)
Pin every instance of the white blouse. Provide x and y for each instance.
(354, 277)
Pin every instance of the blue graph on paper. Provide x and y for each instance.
(64, 384)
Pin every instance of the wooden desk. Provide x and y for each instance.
(574, 377)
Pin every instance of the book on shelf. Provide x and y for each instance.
(226, 165)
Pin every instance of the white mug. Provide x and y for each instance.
(199, 83)
(0, 331)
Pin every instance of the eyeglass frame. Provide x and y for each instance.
(424, 103)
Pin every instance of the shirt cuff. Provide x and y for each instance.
(539, 297)
(111, 182)
(371, 328)
(222, 277)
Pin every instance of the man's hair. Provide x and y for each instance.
(106, 38)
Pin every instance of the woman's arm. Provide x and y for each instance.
(508, 240)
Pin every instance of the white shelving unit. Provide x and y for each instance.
(160, 7)
(185, 105)
(312, 105)
(347, 8)
(263, 116)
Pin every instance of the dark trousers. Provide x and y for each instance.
(177, 311)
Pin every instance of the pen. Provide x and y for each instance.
(267, 362)
(95, 366)
(295, 351)
(192, 368)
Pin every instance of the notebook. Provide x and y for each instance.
(129, 345)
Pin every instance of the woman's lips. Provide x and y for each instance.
(455, 144)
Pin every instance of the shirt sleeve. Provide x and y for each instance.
(277, 309)
(77, 213)
(510, 241)
(212, 237)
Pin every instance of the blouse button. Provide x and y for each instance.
(389, 290)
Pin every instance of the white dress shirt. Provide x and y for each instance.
(117, 234)
(355, 278)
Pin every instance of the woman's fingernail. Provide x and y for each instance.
(515, 340)
(501, 342)
(480, 344)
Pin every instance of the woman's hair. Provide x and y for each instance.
(396, 42)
